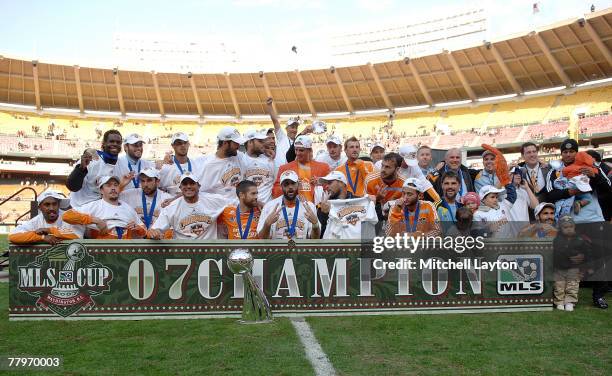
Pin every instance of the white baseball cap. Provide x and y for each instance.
(413, 183)
(289, 175)
(50, 193)
(484, 191)
(377, 145)
(303, 141)
(132, 139)
(541, 206)
(179, 136)
(582, 183)
(333, 139)
(294, 120)
(187, 175)
(105, 179)
(253, 134)
(409, 152)
(334, 175)
(230, 134)
(150, 172)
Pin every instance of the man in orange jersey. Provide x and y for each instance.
(47, 226)
(113, 219)
(410, 214)
(386, 185)
(241, 220)
(308, 171)
(354, 168)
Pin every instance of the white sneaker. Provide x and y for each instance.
(569, 307)
(560, 307)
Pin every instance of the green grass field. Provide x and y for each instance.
(496, 343)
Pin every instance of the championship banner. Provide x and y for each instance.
(141, 279)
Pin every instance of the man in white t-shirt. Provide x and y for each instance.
(221, 172)
(283, 140)
(341, 215)
(525, 199)
(191, 216)
(47, 226)
(131, 163)
(178, 163)
(83, 180)
(334, 156)
(108, 217)
(146, 200)
(288, 217)
(258, 168)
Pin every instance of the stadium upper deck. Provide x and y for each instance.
(568, 53)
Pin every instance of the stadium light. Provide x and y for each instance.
(255, 117)
(411, 108)
(220, 117)
(189, 74)
(115, 71)
(334, 114)
(102, 113)
(261, 74)
(34, 63)
(332, 69)
(595, 82)
(547, 90)
(12, 106)
(370, 112)
(60, 110)
(496, 98)
(406, 60)
(182, 116)
(487, 44)
(453, 103)
(142, 115)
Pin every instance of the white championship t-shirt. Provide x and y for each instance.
(347, 216)
(133, 197)
(279, 230)
(333, 164)
(261, 171)
(122, 168)
(114, 215)
(170, 174)
(39, 222)
(192, 221)
(221, 176)
(89, 191)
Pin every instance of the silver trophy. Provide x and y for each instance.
(256, 308)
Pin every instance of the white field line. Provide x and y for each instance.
(322, 366)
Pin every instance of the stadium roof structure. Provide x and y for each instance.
(556, 57)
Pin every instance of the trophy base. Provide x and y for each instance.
(246, 322)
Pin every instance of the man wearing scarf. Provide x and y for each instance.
(82, 181)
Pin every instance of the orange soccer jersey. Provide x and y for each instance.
(228, 218)
(374, 184)
(308, 178)
(426, 224)
(358, 171)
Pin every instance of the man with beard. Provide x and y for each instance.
(257, 166)
(222, 171)
(191, 216)
(342, 215)
(131, 163)
(177, 164)
(82, 181)
(556, 187)
(108, 217)
(544, 227)
(354, 169)
(412, 215)
(447, 211)
(486, 176)
(241, 220)
(299, 219)
(452, 162)
(333, 157)
(146, 200)
(47, 226)
(385, 185)
(306, 169)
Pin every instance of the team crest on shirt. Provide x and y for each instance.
(231, 177)
(304, 185)
(197, 224)
(350, 214)
(257, 175)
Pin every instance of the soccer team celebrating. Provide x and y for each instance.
(275, 189)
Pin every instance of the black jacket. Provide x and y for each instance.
(468, 175)
(600, 184)
(564, 248)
